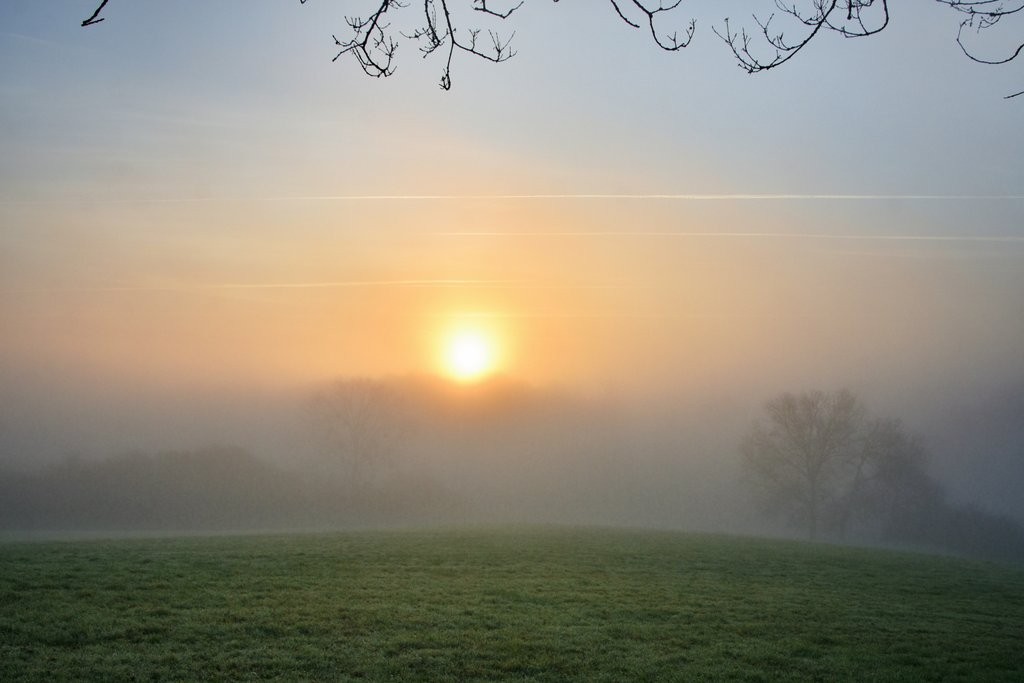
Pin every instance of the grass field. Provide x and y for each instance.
(538, 604)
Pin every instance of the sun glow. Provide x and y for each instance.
(469, 355)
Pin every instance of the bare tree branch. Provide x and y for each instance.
(769, 42)
(980, 23)
(373, 48)
(481, 6)
(845, 17)
(670, 42)
(499, 50)
(93, 19)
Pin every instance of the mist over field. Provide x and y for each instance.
(547, 303)
(423, 451)
(500, 340)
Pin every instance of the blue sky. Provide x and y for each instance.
(587, 105)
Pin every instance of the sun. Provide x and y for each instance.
(469, 355)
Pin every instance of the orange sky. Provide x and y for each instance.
(597, 293)
(173, 208)
(202, 218)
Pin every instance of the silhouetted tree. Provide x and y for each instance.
(361, 421)
(209, 488)
(970, 530)
(770, 40)
(801, 458)
(893, 495)
(819, 460)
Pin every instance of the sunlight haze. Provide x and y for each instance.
(203, 219)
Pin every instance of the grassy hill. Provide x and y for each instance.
(517, 604)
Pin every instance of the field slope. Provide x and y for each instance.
(535, 604)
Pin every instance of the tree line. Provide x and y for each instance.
(214, 488)
(818, 461)
(821, 463)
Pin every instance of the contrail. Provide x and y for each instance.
(581, 316)
(638, 196)
(670, 196)
(514, 284)
(524, 197)
(742, 235)
(339, 284)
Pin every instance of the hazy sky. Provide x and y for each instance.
(196, 200)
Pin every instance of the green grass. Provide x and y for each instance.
(538, 604)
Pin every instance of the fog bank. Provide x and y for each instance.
(420, 450)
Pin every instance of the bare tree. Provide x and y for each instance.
(888, 486)
(361, 421)
(773, 38)
(819, 460)
(801, 455)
